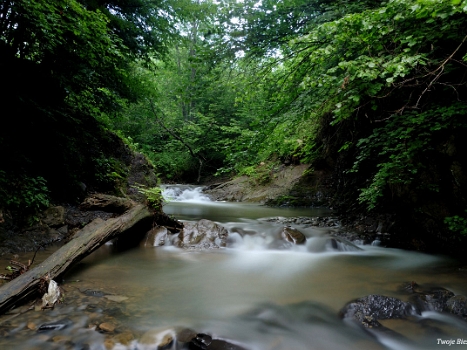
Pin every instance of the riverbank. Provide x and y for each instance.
(280, 266)
(303, 186)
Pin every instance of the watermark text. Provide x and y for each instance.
(449, 342)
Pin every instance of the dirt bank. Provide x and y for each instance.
(293, 185)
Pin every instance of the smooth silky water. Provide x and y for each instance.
(257, 292)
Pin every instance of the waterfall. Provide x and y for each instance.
(184, 193)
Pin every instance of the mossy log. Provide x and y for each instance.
(26, 285)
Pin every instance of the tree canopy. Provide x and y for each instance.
(372, 91)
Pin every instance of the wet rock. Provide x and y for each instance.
(116, 298)
(340, 244)
(63, 230)
(161, 338)
(368, 310)
(325, 221)
(204, 234)
(61, 339)
(107, 327)
(408, 287)
(206, 342)
(109, 343)
(114, 312)
(201, 341)
(186, 335)
(54, 235)
(124, 338)
(94, 293)
(457, 305)
(432, 300)
(77, 218)
(184, 338)
(93, 308)
(292, 235)
(54, 216)
(156, 237)
(55, 326)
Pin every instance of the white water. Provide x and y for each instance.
(260, 292)
(184, 193)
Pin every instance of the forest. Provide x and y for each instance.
(371, 93)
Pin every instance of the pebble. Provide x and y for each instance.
(124, 338)
(61, 338)
(109, 343)
(32, 326)
(94, 315)
(116, 298)
(107, 327)
(42, 337)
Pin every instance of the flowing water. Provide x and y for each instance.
(258, 292)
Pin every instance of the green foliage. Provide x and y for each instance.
(259, 175)
(110, 173)
(372, 88)
(23, 196)
(144, 26)
(269, 25)
(389, 80)
(457, 224)
(153, 197)
(399, 145)
(182, 120)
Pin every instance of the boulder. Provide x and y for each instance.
(184, 338)
(204, 234)
(76, 218)
(54, 216)
(292, 235)
(163, 338)
(204, 341)
(368, 310)
(156, 237)
(434, 299)
(457, 305)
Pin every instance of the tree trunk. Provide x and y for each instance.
(26, 285)
(108, 203)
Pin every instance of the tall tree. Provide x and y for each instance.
(63, 63)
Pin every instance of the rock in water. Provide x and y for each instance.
(204, 234)
(155, 237)
(457, 305)
(293, 235)
(55, 326)
(434, 299)
(368, 310)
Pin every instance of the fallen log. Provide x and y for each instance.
(27, 285)
(108, 203)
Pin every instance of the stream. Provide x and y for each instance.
(257, 293)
